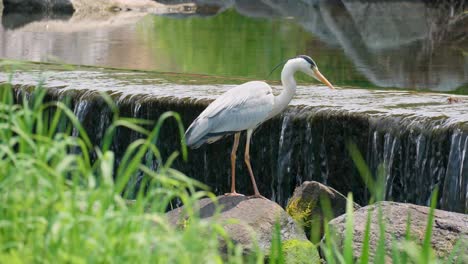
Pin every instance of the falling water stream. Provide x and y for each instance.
(419, 139)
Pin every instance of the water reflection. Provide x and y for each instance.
(399, 49)
(404, 44)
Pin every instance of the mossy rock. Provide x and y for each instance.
(300, 252)
(300, 209)
(255, 220)
(305, 207)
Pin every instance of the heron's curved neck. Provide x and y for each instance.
(289, 88)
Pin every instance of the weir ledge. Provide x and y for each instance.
(417, 140)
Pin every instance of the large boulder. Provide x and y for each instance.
(448, 228)
(305, 206)
(256, 219)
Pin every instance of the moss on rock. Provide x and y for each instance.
(300, 251)
(300, 209)
(305, 207)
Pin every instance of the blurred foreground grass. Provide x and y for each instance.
(59, 206)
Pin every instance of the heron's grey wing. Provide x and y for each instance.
(243, 107)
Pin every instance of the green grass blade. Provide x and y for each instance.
(363, 169)
(380, 254)
(426, 246)
(276, 252)
(349, 232)
(364, 259)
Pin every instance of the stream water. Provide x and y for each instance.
(417, 140)
(403, 44)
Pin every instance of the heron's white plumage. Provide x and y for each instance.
(246, 106)
(243, 107)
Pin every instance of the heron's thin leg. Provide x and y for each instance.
(247, 162)
(233, 162)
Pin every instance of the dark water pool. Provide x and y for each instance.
(402, 44)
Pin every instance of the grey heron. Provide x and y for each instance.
(245, 107)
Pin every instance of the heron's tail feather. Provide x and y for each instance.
(196, 132)
(200, 132)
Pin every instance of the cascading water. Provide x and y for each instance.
(455, 186)
(418, 139)
(416, 157)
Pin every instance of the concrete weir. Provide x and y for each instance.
(416, 140)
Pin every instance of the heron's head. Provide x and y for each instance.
(308, 66)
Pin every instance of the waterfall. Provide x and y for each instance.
(455, 187)
(417, 153)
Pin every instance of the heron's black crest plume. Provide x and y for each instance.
(276, 67)
(305, 57)
(309, 60)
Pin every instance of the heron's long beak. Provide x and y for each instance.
(322, 78)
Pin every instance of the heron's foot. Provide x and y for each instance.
(233, 194)
(257, 195)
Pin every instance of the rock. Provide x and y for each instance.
(453, 100)
(257, 217)
(124, 6)
(448, 228)
(31, 6)
(18, 13)
(305, 206)
(14, 20)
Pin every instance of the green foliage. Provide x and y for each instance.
(276, 254)
(301, 211)
(348, 241)
(230, 44)
(364, 259)
(57, 205)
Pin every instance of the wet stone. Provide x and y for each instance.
(448, 228)
(307, 203)
(256, 219)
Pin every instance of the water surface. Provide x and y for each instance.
(409, 44)
(405, 105)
